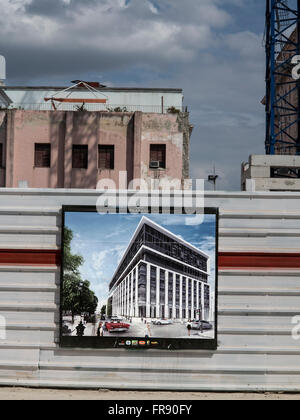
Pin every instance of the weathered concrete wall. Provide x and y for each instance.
(131, 134)
(170, 130)
(258, 170)
(256, 350)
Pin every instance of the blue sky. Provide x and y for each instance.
(102, 239)
(213, 49)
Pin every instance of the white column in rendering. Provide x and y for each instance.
(148, 272)
(180, 297)
(128, 294)
(136, 291)
(121, 296)
(197, 298)
(166, 294)
(208, 311)
(157, 292)
(192, 297)
(131, 299)
(124, 296)
(120, 299)
(202, 300)
(187, 297)
(117, 301)
(174, 296)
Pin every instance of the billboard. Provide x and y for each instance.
(137, 280)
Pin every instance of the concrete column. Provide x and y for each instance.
(148, 291)
(9, 150)
(157, 292)
(68, 150)
(137, 145)
(174, 295)
(180, 297)
(166, 294)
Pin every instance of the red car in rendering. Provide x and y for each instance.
(116, 325)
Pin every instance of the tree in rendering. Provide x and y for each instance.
(77, 296)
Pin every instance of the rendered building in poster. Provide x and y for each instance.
(161, 276)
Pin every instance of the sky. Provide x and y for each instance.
(101, 239)
(212, 49)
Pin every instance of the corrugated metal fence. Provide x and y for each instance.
(256, 349)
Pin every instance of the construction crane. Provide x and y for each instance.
(282, 100)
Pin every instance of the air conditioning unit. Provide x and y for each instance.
(154, 164)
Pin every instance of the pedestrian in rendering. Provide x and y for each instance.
(147, 331)
(80, 329)
(189, 327)
(100, 330)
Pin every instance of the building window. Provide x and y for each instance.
(80, 156)
(157, 156)
(106, 157)
(42, 155)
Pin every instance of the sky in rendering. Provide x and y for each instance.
(102, 239)
(213, 49)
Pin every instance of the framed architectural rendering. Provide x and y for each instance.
(139, 280)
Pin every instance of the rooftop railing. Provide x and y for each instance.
(47, 106)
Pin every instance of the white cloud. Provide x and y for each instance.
(153, 8)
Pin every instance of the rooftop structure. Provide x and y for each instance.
(95, 97)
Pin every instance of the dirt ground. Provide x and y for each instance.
(62, 394)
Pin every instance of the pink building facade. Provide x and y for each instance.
(76, 149)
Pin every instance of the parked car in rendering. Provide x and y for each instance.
(196, 324)
(161, 321)
(116, 325)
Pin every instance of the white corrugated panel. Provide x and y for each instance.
(256, 350)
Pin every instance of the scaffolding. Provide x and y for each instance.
(282, 101)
